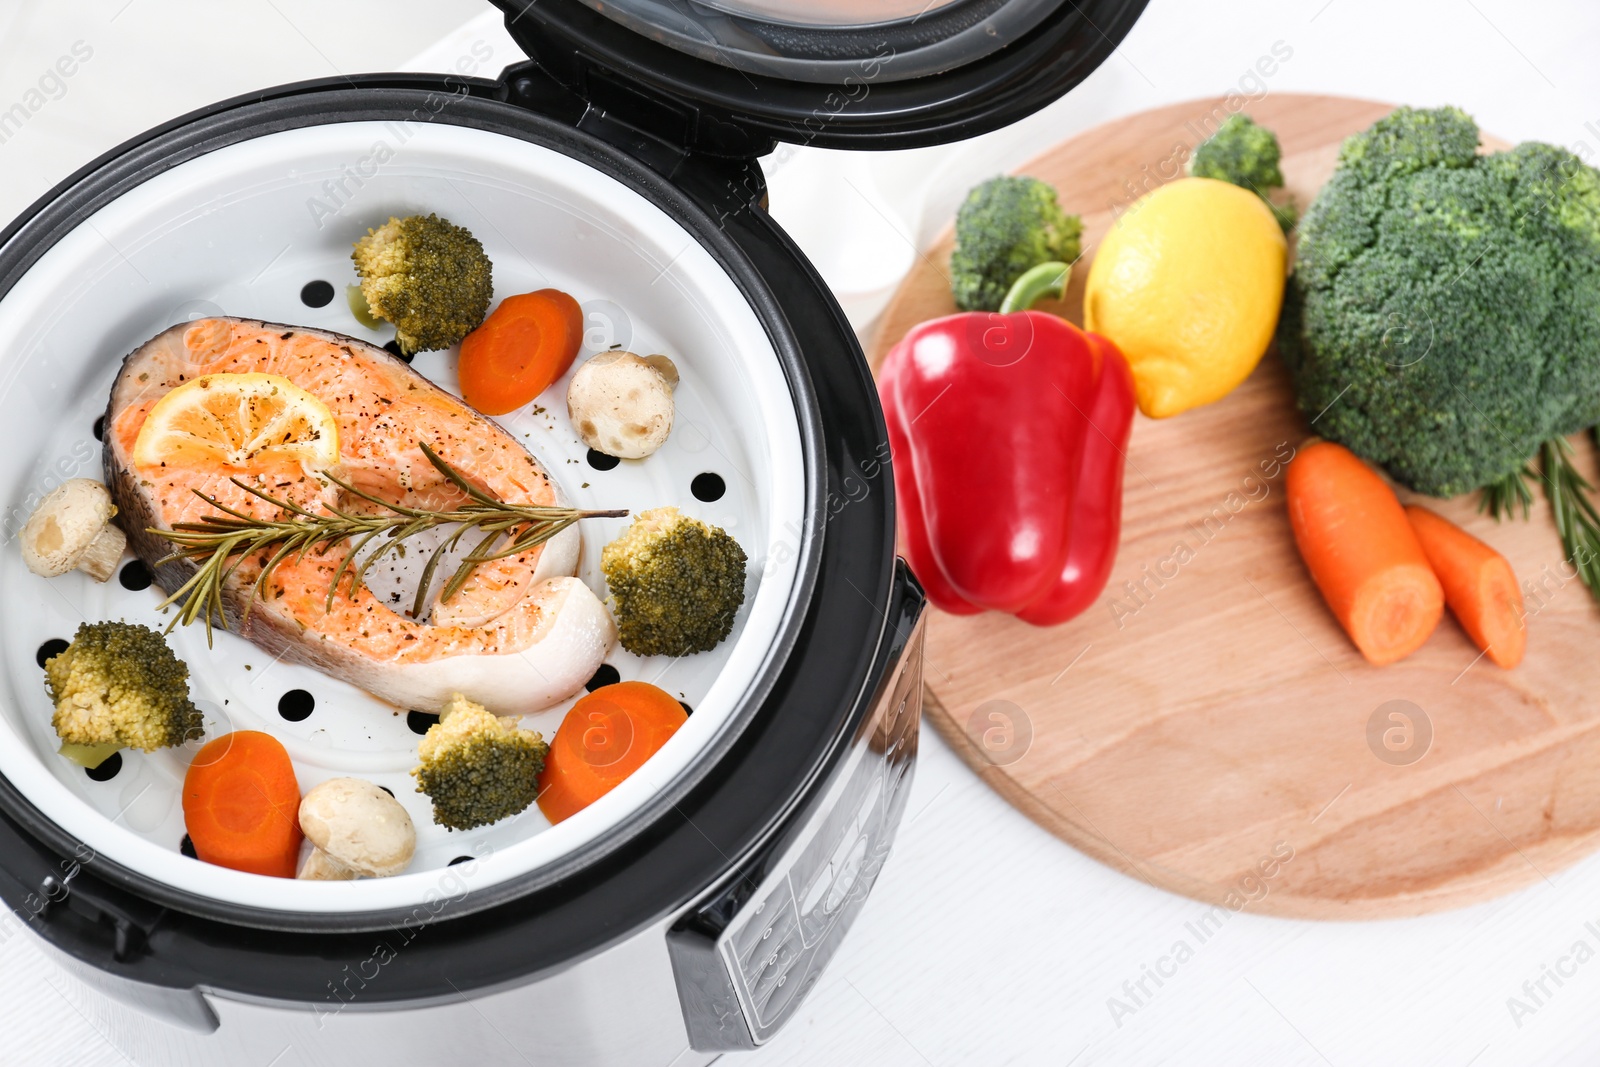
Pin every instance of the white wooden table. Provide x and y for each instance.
(987, 941)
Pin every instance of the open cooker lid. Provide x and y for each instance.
(831, 41)
(732, 77)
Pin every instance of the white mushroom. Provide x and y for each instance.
(358, 830)
(72, 528)
(621, 403)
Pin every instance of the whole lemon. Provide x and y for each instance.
(1188, 284)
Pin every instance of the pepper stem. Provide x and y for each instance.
(1047, 279)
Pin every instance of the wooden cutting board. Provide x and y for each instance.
(1206, 726)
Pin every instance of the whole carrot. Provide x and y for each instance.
(1479, 585)
(1362, 552)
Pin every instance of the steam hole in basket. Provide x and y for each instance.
(708, 487)
(135, 576)
(687, 710)
(107, 770)
(602, 462)
(317, 294)
(100, 428)
(386, 789)
(296, 705)
(393, 348)
(186, 846)
(50, 649)
(605, 675)
(459, 859)
(419, 721)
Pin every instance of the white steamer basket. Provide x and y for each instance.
(240, 231)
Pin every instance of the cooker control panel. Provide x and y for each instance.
(777, 927)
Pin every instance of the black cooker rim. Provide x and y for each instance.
(472, 102)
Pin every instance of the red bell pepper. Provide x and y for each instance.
(1009, 433)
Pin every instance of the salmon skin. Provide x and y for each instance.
(521, 635)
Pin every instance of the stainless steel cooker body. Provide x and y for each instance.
(700, 924)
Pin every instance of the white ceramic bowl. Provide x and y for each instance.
(240, 231)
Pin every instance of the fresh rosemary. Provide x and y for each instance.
(1576, 519)
(1504, 498)
(220, 544)
(1568, 491)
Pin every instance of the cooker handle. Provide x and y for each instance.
(97, 932)
(746, 955)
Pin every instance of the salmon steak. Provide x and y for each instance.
(520, 635)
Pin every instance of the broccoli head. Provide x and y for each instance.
(1244, 154)
(428, 277)
(676, 582)
(1004, 227)
(476, 768)
(1440, 320)
(118, 685)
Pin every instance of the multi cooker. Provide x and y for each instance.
(688, 912)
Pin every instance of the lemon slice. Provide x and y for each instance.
(239, 420)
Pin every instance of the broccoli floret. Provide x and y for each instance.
(676, 582)
(428, 277)
(1240, 153)
(1244, 154)
(118, 685)
(1004, 227)
(476, 768)
(1440, 320)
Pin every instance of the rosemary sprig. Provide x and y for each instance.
(1502, 499)
(219, 544)
(1571, 505)
(1576, 518)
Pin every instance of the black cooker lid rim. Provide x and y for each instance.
(640, 75)
(830, 41)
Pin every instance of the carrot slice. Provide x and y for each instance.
(1479, 585)
(604, 738)
(241, 804)
(1362, 553)
(520, 350)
